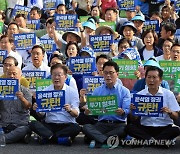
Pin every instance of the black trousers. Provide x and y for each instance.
(47, 130)
(83, 119)
(158, 133)
(101, 131)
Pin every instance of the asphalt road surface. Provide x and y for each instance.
(79, 147)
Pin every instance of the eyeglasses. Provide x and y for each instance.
(12, 73)
(8, 65)
(99, 63)
(176, 51)
(167, 46)
(138, 22)
(110, 73)
(57, 74)
(36, 53)
(53, 63)
(124, 47)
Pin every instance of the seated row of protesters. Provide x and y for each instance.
(130, 42)
(58, 125)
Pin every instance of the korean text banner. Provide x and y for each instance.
(102, 105)
(177, 5)
(110, 24)
(169, 69)
(32, 76)
(3, 55)
(80, 65)
(127, 68)
(48, 45)
(92, 82)
(24, 41)
(8, 89)
(177, 34)
(1, 27)
(49, 4)
(126, 4)
(101, 43)
(42, 84)
(19, 9)
(177, 82)
(151, 24)
(147, 105)
(33, 24)
(83, 18)
(66, 22)
(49, 101)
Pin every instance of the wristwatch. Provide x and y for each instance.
(170, 113)
(70, 110)
(123, 113)
(81, 30)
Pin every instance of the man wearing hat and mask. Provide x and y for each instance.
(138, 21)
(141, 84)
(128, 31)
(86, 29)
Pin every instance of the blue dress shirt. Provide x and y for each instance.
(123, 98)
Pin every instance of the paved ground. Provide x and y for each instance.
(79, 147)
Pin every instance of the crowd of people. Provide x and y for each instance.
(129, 35)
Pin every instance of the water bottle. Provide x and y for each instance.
(2, 138)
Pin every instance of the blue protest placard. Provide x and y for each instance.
(127, 4)
(80, 65)
(8, 89)
(92, 82)
(48, 45)
(66, 22)
(177, 34)
(32, 76)
(147, 105)
(3, 55)
(24, 41)
(49, 101)
(19, 9)
(101, 43)
(177, 5)
(152, 24)
(33, 24)
(49, 4)
(133, 43)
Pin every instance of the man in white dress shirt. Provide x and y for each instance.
(7, 43)
(37, 55)
(157, 128)
(60, 126)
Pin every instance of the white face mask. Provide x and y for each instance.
(87, 38)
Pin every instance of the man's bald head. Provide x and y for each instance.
(14, 72)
